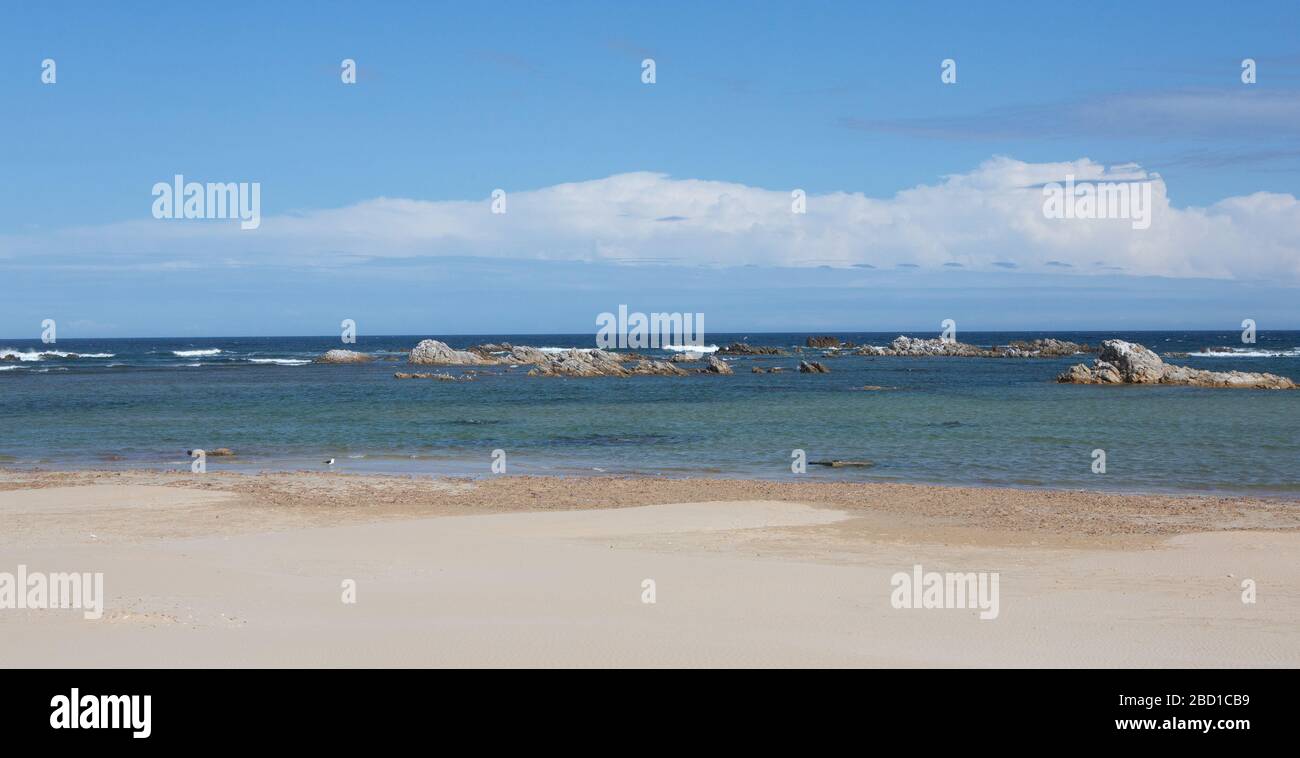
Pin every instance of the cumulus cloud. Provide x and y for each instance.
(990, 218)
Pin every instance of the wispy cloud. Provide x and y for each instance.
(1236, 113)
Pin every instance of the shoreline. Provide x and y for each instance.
(232, 570)
(816, 475)
(1053, 511)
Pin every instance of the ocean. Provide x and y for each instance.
(141, 403)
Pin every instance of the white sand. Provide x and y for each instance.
(737, 584)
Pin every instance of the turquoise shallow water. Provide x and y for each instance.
(142, 403)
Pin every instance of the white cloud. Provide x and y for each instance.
(983, 219)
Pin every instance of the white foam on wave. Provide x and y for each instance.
(691, 348)
(195, 353)
(565, 349)
(280, 361)
(7, 368)
(1244, 352)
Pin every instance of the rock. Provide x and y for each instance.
(744, 348)
(435, 353)
(656, 368)
(686, 357)
(916, 347)
(1123, 362)
(718, 366)
(583, 363)
(822, 342)
(775, 370)
(758, 370)
(1042, 348)
(344, 356)
(491, 350)
(843, 464)
(872, 387)
(812, 367)
(439, 377)
(221, 452)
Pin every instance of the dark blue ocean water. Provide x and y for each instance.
(143, 402)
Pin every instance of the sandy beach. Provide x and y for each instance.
(222, 569)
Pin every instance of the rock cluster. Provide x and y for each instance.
(917, 347)
(822, 342)
(812, 367)
(744, 348)
(1042, 348)
(344, 356)
(1123, 362)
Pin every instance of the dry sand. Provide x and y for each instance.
(233, 570)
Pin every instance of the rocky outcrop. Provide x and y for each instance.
(717, 366)
(435, 353)
(344, 356)
(1123, 362)
(916, 347)
(655, 368)
(812, 367)
(585, 363)
(1042, 348)
(686, 357)
(822, 342)
(744, 348)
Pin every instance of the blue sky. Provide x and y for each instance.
(842, 100)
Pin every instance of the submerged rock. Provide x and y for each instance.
(1123, 362)
(439, 377)
(344, 356)
(843, 464)
(812, 367)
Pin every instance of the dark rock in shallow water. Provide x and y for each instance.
(843, 464)
(744, 348)
(1123, 362)
(822, 342)
(439, 377)
(812, 367)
